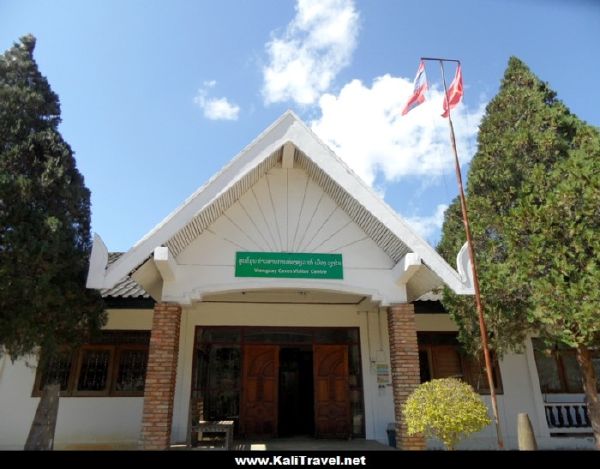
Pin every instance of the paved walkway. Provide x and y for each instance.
(305, 443)
(302, 443)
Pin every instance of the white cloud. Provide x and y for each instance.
(315, 46)
(428, 226)
(365, 128)
(215, 108)
(220, 109)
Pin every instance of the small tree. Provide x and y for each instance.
(448, 409)
(44, 230)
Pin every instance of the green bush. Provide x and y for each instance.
(446, 408)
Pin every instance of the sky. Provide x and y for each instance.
(157, 96)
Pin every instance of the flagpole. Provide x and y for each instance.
(463, 205)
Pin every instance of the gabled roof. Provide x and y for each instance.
(387, 229)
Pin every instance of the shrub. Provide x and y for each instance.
(446, 408)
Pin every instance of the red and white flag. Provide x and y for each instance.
(420, 87)
(455, 92)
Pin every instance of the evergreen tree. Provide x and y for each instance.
(524, 126)
(525, 135)
(44, 219)
(554, 246)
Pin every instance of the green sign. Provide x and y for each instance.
(288, 265)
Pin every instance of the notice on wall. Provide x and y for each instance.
(289, 265)
(383, 373)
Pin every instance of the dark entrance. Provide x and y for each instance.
(279, 381)
(296, 395)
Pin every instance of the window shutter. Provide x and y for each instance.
(446, 362)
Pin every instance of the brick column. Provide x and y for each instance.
(160, 377)
(404, 354)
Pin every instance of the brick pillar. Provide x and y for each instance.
(160, 377)
(404, 354)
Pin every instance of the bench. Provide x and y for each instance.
(216, 426)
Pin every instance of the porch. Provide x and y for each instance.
(317, 374)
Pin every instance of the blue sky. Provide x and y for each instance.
(157, 96)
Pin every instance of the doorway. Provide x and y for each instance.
(296, 395)
(279, 381)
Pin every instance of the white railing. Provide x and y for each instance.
(567, 417)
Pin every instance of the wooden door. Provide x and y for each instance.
(259, 390)
(332, 403)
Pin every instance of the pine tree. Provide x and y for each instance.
(44, 219)
(526, 134)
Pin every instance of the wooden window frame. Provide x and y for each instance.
(113, 369)
(557, 355)
(75, 392)
(466, 364)
(469, 362)
(37, 392)
(119, 350)
(562, 373)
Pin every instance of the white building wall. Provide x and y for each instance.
(16, 406)
(82, 422)
(115, 422)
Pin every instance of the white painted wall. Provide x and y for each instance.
(16, 406)
(83, 422)
(94, 422)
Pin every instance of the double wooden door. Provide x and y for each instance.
(259, 409)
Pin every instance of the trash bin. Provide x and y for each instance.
(391, 432)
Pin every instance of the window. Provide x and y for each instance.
(57, 371)
(94, 365)
(558, 369)
(440, 356)
(476, 373)
(113, 365)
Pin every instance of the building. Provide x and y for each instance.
(287, 296)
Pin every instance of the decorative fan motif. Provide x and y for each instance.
(285, 211)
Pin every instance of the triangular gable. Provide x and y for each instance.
(391, 233)
(285, 211)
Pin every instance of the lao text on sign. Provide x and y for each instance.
(289, 265)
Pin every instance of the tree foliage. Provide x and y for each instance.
(554, 241)
(554, 246)
(534, 205)
(448, 409)
(44, 218)
(525, 127)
